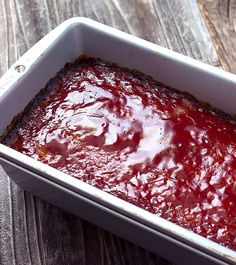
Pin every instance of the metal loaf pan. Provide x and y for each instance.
(65, 43)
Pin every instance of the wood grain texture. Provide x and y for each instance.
(220, 16)
(33, 231)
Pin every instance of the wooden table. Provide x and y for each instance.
(35, 232)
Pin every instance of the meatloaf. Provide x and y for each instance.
(131, 136)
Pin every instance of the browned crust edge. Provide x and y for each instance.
(83, 59)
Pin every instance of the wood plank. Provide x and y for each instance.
(220, 16)
(33, 231)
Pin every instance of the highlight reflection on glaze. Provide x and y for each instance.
(135, 138)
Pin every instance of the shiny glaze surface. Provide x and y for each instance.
(132, 137)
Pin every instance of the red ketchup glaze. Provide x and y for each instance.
(132, 137)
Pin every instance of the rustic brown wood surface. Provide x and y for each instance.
(220, 16)
(35, 232)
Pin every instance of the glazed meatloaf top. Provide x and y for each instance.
(139, 140)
